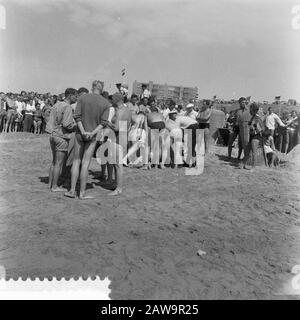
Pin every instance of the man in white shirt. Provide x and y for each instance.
(190, 112)
(271, 120)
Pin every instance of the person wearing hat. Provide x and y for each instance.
(91, 114)
(243, 117)
(190, 112)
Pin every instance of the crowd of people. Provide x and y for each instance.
(253, 127)
(139, 131)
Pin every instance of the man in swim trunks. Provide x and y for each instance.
(157, 134)
(92, 111)
(203, 119)
(60, 127)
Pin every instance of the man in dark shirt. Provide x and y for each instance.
(92, 110)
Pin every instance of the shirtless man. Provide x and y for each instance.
(203, 119)
(176, 136)
(190, 136)
(118, 141)
(92, 110)
(159, 137)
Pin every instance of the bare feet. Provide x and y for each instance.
(115, 192)
(162, 166)
(58, 189)
(70, 194)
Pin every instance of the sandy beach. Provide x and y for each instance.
(146, 240)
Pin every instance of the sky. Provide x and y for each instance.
(228, 48)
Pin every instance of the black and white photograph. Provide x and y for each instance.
(154, 143)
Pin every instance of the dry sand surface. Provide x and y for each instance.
(146, 240)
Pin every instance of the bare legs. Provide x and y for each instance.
(56, 171)
(117, 156)
(83, 152)
(37, 126)
(206, 140)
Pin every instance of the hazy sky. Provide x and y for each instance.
(229, 48)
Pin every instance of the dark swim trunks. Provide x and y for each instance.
(203, 125)
(157, 125)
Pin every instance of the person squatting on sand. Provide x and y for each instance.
(60, 127)
(91, 113)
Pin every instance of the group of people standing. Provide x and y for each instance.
(135, 133)
(255, 129)
(25, 112)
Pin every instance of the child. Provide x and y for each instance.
(269, 148)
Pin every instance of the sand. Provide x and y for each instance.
(146, 240)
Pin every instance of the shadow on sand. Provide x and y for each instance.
(234, 162)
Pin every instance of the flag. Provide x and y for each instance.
(123, 72)
(277, 98)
